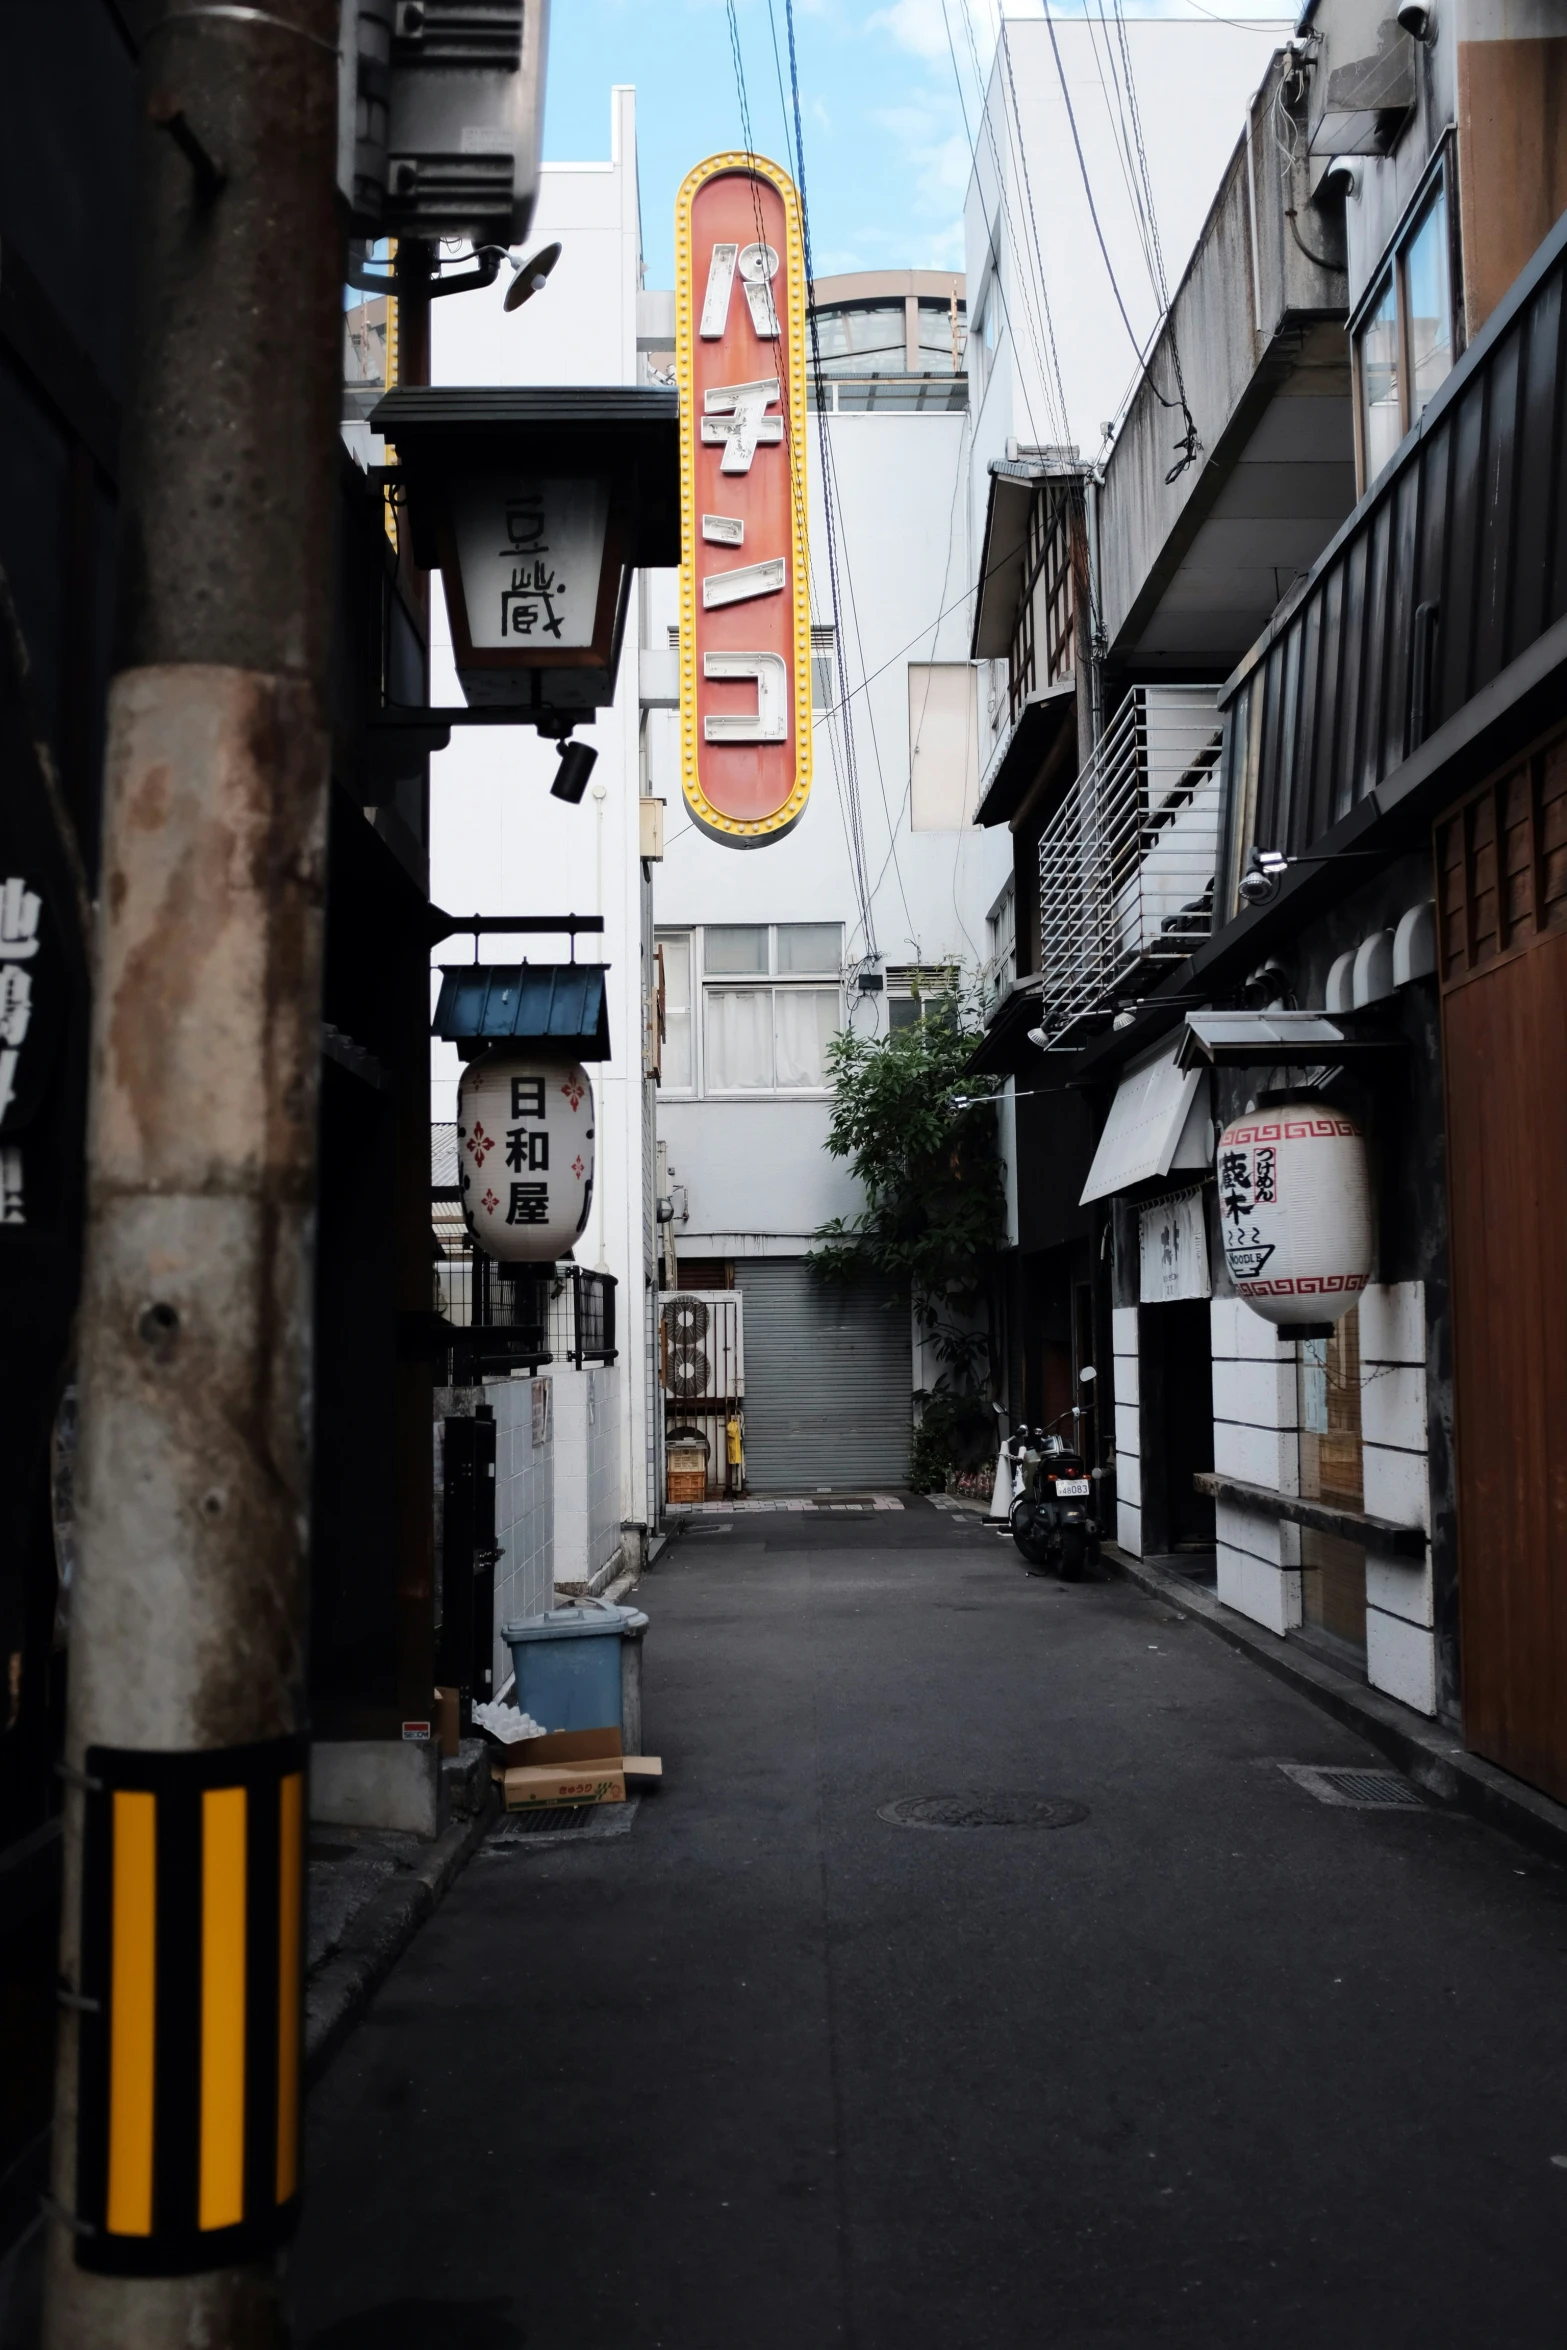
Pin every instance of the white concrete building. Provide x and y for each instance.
(499, 843)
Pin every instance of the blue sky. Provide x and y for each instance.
(885, 154)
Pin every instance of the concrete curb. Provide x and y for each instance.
(1425, 1751)
(337, 1995)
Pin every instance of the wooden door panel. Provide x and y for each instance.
(1505, 1044)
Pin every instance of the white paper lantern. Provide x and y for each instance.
(525, 1149)
(1295, 1209)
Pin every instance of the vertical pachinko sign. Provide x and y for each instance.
(745, 618)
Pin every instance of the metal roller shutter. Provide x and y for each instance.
(828, 1381)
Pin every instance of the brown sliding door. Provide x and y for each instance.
(1501, 861)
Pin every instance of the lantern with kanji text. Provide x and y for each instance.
(525, 1154)
(1295, 1210)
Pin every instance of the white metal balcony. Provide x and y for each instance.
(1126, 864)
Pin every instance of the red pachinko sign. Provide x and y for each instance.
(745, 614)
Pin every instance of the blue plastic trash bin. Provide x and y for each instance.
(568, 1665)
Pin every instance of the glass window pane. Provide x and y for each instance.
(804, 1018)
(734, 947)
(1381, 414)
(1428, 293)
(810, 946)
(903, 1011)
(737, 1039)
(675, 1059)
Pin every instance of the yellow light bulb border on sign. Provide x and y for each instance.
(736, 833)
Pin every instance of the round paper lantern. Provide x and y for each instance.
(1295, 1206)
(525, 1148)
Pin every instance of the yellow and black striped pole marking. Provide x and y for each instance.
(191, 1995)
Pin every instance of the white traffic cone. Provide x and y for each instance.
(1000, 1510)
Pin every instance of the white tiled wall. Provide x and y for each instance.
(1128, 1440)
(524, 1510)
(1400, 1643)
(603, 1415)
(1255, 1439)
(587, 1471)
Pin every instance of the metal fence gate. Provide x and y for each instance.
(828, 1381)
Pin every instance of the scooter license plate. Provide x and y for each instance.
(1072, 1488)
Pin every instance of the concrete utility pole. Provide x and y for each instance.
(188, 1633)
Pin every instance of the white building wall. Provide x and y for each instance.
(1400, 1635)
(1128, 1430)
(1024, 225)
(524, 1510)
(498, 842)
(1256, 1438)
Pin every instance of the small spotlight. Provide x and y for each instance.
(577, 761)
(1261, 879)
(531, 278)
(1415, 20)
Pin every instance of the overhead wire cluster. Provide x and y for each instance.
(1140, 187)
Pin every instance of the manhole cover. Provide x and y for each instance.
(980, 1811)
(1355, 1790)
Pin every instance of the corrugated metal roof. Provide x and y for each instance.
(563, 1005)
(445, 1174)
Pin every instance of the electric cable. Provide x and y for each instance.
(1187, 447)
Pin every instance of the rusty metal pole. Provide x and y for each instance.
(189, 1609)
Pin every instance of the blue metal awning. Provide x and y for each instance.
(563, 1006)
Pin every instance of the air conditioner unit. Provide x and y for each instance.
(702, 1346)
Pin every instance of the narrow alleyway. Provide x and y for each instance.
(1215, 2065)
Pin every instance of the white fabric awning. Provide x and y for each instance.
(1146, 1133)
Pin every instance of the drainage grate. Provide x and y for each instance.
(1355, 1790)
(986, 1810)
(562, 1823)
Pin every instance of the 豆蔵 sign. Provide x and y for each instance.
(745, 623)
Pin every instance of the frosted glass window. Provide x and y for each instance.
(1381, 401)
(676, 1072)
(1428, 290)
(735, 948)
(943, 746)
(803, 1020)
(809, 946)
(737, 1039)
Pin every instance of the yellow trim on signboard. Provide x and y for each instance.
(792, 319)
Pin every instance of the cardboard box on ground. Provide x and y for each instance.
(570, 1766)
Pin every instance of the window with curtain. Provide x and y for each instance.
(764, 1029)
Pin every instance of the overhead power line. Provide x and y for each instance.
(1187, 447)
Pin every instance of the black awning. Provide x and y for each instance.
(1278, 1039)
(1041, 724)
(628, 430)
(1005, 1048)
(562, 1007)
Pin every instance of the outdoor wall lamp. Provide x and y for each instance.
(1260, 881)
(536, 506)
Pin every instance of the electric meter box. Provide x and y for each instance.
(441, 117)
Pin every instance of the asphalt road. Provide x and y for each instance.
(1216, 2065)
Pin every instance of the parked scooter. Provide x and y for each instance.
(1053, 1520)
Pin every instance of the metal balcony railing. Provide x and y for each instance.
(1126, 865)
(506, 1317)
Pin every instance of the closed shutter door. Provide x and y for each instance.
(828, 1381)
